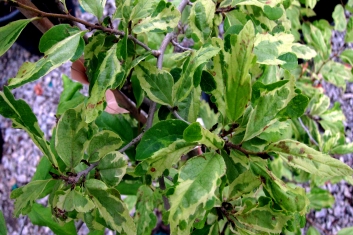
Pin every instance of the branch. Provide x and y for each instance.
(43, 24)
(176, 114)
(262, 155)
(29, 8)
(85, 172)
(127, 104)
(160, 57)
(308, 133)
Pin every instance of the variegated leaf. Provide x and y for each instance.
(71, 137)
(301, 156)
(70, 200)
(160, 136)
(146, 218)
(196, 133)
(289, 199)
(101, 144)
(112, 168)
(67, 45)
(164, 158)
(185, 83)
(158, 84)
(109, 76)
(164, 18)
(93, 6)
(270, 99)
(237, 79)
(201, 19)
(26, 195)
(10, 32)
(189, 108)
(111, 207)
(197, 183)
(22, 117)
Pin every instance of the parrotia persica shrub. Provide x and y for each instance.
(225, 170)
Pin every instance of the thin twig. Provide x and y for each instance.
(85, 172)
(176, 114)
(180, 46)
(79, 225)
(23, 225)
(308, 132)
(132, 142)
(85, 23)
(127, 104)
(160, 57)
(163, 187)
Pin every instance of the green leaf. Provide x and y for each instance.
(111, 207)
(291, 61)
(3, 229)
(289, 199)
(93, 6)
(42, 171)
(158, 137)
(273, 98)
(345, 231)
(101, 144)
(201, 19)
(112, 168)
(296, 107)
(277, 131)
(220, 74)
(238, 80)
(261, 219)
(336, 74)
(22, 117)
(300, 156)
(349, 32)
(320, 198)
(189, 108)
(142, 9)
(10, 32)
(208, 116)
(56, 53)
(197, 183)
(319, 104)
(347, 56)
(313, 231)
(273, 13)
(339, 18)
(26, 195)
(303, 51)
(109, 76)
(184, 85)
(246, 182)
(164, 158)
(70, 200)
(116, 123)
(70, 97)
(165, 18)
(315, 38)
(71, 137)
(196, 133)
(146, 218)
(42, 216)
(137, 90)
(342, 149)
(158, 84)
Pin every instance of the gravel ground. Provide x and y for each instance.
(21, 156)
